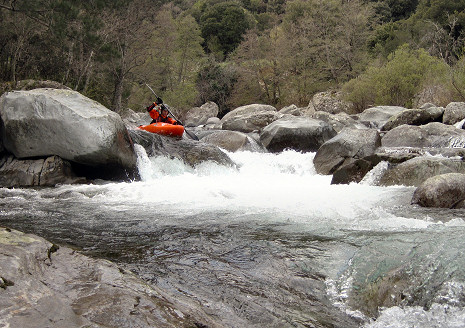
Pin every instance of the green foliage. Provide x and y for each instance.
(223, 26)
(397, 81)
(215, 82)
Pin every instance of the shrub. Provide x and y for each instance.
(397, 81)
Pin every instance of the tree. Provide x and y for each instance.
(215, 82)
(223, 26)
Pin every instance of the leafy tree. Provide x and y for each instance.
(223, 26)
(215, 82)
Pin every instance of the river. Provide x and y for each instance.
(266, 244)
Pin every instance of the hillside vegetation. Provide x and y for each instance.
(277, 52)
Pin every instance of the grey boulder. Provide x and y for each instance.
(230, 140)
(443, 191)
(376, 117)
(190, 152)
(249, 118)
(47, 122)
(414, 117)
(435, 135)
(417, 170)
(298, 133)
(347, 146)
(454, 112)
(200, 115)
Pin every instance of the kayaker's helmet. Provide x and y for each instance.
(163, 111)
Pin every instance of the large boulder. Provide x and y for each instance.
(249, 118)
(417, 170)
(415, 116)
(338, 121)
(47, 122)
(376, 117)
(331, 102)
(454, 112)
(298, 133)
(190, 152)
(348, 145)
(36, 172)
(230, 140)
(44, 285)
(434, 135)
(200, 115)
(444, 191)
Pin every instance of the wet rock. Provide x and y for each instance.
(298, 133)
(36, 172)
(199, 115)
(230, 140)
(417, 170)
(190, 152)
(454, 112)
(435, 135)
(42, 285)
(349, 144)
(414, 117)
(47, 122)
(376, 117)
(249, 118)
(352, 171)
(444, 191)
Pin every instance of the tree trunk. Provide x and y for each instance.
(118, 93)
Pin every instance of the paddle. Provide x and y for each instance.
(190, 134)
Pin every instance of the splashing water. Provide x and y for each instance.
(267, 243)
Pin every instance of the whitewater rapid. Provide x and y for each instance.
(362, 230)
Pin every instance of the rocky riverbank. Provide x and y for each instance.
(52, 136)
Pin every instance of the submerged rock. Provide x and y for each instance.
(445, 191)
(43, 285)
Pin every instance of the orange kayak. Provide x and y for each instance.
(164, 129)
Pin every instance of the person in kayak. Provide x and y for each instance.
(161, 116)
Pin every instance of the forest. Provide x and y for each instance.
(236, 52)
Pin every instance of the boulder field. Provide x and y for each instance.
(52, 136)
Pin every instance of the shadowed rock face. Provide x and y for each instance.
(47, 122)
(42, 285)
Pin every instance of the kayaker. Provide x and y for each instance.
(161, 116)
